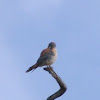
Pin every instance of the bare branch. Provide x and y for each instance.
(62, 85)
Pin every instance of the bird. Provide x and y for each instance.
(47, 57)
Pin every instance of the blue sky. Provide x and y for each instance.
(26, 28)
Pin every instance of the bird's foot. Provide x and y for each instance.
(50, 67)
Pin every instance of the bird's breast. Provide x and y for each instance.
(52, 57)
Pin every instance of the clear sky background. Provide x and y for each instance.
(26, 28)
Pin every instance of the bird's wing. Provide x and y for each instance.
(43, 57)
(45, 52)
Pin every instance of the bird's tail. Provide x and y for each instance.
(32, 68)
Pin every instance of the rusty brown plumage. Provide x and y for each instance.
(45, 51)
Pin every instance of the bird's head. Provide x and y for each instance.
(52, 45)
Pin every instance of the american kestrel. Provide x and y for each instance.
(47, 57)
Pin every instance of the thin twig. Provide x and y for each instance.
(62, 85)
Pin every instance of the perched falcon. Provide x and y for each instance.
(47, 57)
